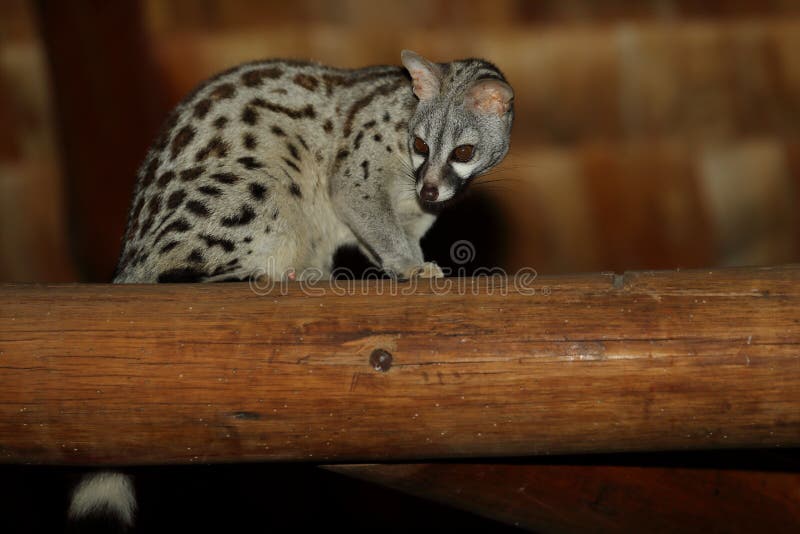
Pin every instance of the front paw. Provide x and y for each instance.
(429, 269)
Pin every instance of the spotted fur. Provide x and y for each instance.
(269, 167)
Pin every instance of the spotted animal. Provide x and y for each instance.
(268, 168)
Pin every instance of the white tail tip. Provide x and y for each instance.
(104, 493)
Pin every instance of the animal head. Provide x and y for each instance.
(461, 125)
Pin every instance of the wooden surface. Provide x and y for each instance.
(603, 498)
(94, 374)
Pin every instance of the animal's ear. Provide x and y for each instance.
(489, 96)
(426, 75)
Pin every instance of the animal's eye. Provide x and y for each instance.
(420, 146)
(463, 153)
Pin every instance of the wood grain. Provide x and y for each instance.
(646, 361)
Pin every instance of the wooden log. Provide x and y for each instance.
(100, 374)
(603, 498)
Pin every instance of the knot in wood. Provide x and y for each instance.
(380, 360)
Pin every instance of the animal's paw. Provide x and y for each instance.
(429, 269)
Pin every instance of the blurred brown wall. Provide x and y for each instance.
(649, 134)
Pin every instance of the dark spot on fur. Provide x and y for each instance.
(248, 239)
(150, 173)
(181, 140)
(249, 116)
(365, 168)
(302, 141)
(357, 141)
(179, 226)
(226, 178)
(210, 190)
(220, 122)
(386, 117)
(365, 197)
(202, 108)
(255, 78)
(306, 81)
(268, 229)
(343, 153)
(250, 163)
(388, 148)
(189, 175)
(377, 138)
(198, 208)
(196, 256)
(291, 164)
(146, 225)
(141, 258)
(277, 130)
(294, 189)
(328, 126)
(181, 275)
(165, 178)
(155, 204)
(306, 112)
(293, 151)
(257, 191)
(223, 92)
(225, 244)
(370, 124)
(216, 147)
(176, 198)
(169, 246)
(245, 215)
(400, 126)
(249, 141)
(275, 214)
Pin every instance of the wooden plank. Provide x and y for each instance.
(603, 498)
(94, 374)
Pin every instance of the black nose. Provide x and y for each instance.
(429, 193)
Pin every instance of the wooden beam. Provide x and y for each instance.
(99, 374)
(603, 498)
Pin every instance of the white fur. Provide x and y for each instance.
(445, 193)
(464, 170)
(417, 160)
(104, 492)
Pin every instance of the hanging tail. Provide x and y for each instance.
(102, 502)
